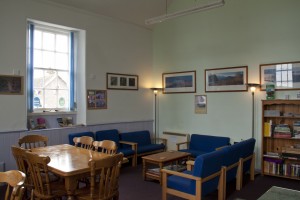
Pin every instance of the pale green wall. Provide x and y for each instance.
(243, 32)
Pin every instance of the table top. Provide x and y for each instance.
(166, 156)
(68, 160)
(280, 193)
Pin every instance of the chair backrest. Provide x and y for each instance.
(15, 180)
(85, 142)
(207, 143)
(108, 169)
(38, 169)
(112, 134)
(142, 138)
(72, 135)
(20, 157)
(33, 141)
(105, 146)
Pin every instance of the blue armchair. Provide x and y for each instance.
(207, 176)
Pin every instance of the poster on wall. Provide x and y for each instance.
(179, 82)
(121, 81)
(11, 85)
(96, 99)
(200, 104)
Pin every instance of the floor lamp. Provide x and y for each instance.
(155, 91)
(253, 87)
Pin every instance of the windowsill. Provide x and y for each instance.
(52, 113)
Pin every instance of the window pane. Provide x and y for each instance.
(284, 67)
(37, 58)
(63, 80)
(50, 79)
(63, 99)
(284, 75)
(62, 43)
(61, 61)
(278, 67)
(37, 43)
(278, 76)
(48, 41)
(38, 80)
(48, 59)
(50, 98)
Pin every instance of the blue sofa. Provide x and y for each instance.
(201, 144)
(206, 177)
(129, 150)
(144, 144)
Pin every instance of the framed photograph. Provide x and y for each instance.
(179, 82)
(231, 79)
(122, 81)
(11, 85)
(96, 99)
(285, 76)
(200, 104)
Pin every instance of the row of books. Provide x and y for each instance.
(282, 169)
(281, 130)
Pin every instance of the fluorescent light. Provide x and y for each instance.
(162, 18)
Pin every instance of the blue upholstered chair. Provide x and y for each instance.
(201, 144)
(207, 176)
(72, 135)
(129, 151)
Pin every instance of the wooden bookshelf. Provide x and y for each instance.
(272, 160)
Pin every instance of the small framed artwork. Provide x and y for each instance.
(122, 81)
(231, 79)
(285, 76)
(179, 82)
(96, 99)
(200, 104)
(11, 85)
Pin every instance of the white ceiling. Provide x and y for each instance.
(132, 11)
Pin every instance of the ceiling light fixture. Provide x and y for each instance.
(195, 9)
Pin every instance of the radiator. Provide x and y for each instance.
(174, 137)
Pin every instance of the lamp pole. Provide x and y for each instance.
(253, 87)
(155, 91)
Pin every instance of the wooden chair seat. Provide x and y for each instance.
(15, 180)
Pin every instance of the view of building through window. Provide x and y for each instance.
(51, 69)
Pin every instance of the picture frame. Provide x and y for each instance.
(96, 99)
(200, 104)
(285, 75)
(11, 85)
(179, 82)
(122, 81)
(229, 79)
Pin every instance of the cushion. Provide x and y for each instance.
(140, 137)
(149, 148)
(72, 135)
(207, 143)
(112, 134)
(126, 151)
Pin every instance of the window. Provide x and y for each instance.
(50, 68)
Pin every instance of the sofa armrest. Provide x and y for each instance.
(171, 172)
(181, 143)
(190, 165)
(219, 148)
(163, 140)
(133, 144)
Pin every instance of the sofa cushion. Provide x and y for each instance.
(112, 134)
(126, 151)
(149, 148)
(232, 155)
(72, 135)
(142, 138)
(247, 150)
(207, 143)
(194, 153)
(181, 184)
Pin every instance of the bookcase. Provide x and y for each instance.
(281, 138)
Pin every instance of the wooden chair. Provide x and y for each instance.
(105, 146)
(84, 142)
(43, 187)
(15, 180)
(108, 169)
(20, 157)
(33, 141)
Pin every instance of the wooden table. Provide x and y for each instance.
(161, 159)
(69, 162)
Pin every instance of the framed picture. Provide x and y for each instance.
(96, 99)
(11, 85)
(285, 76)
(200, 104)
(122, 81)
(231, 79)
(179, 82)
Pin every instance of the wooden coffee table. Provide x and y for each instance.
(161, 159)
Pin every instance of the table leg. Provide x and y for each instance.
(144, 169)
(71, 185)
(160, 168)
